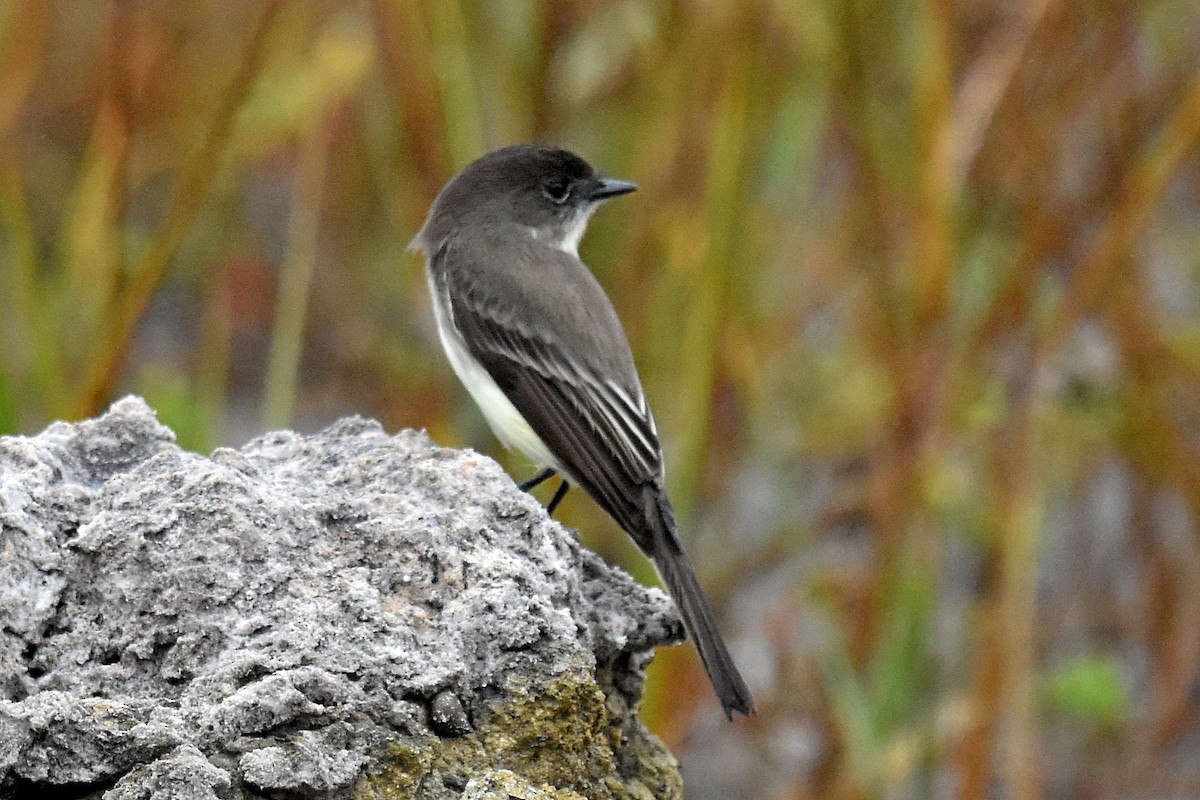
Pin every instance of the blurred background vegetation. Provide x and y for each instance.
(914, 288)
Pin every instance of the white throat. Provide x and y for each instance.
(569, 236)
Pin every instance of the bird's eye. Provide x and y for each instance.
(556, 191)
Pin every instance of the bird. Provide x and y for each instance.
(535, 340)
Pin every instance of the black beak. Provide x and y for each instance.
(610, 187)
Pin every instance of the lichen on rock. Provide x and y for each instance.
(348, 614)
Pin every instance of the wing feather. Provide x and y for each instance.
(597, 424)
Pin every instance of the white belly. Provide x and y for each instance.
(502, 416)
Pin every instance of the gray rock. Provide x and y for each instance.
(350, 614)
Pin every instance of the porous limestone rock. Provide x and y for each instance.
(349, 615)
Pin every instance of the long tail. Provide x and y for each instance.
(698, 616)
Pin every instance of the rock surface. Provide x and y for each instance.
(349, 614)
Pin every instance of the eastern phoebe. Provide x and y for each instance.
(538, 345)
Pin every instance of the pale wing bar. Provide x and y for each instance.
(628, 433)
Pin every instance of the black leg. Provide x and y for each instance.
(558, 496)
(525, 486)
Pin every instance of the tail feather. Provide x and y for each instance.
(698, 616)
